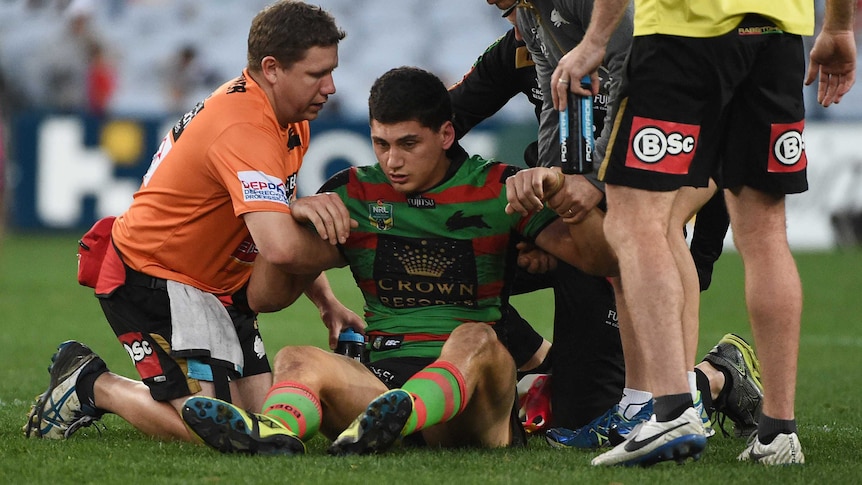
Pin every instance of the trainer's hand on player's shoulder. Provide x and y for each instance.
(527, 190)
(535, 260)
(327, 213)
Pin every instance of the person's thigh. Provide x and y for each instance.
(587, 355)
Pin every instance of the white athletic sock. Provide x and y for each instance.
(692, 384)
(633, 401)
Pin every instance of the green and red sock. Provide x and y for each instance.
(294, 406)
(439, 394)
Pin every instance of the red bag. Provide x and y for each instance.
(92, 248)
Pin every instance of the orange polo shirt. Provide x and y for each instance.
(225, 158)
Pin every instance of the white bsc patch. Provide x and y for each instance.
(258, 186)
(258, 348)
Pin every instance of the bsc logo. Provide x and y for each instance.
(789, 147)
(652, 144)
(661, 146)
(138, 350)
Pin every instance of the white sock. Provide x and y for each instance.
(692, 384)
(633, 401)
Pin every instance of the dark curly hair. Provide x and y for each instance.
(409, 93)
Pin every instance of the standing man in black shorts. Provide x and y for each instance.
(586, 355)
(730, 98)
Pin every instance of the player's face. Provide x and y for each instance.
(301, 90)
(412, 156)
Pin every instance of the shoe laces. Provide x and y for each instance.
(719, 418)
(82, 422)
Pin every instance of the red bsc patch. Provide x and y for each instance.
(661, 146)
(142, 354)
(787, 148)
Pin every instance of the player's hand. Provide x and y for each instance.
(575, 199)
(581, 61)
(337, 317)
(833, 59)
(327, 213)
(535, 260)
(527, 190)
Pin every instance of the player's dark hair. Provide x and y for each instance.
(407, 94)
(287, 29)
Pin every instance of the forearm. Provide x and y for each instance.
(606, 16)
(320, 292)
(271, 288)
(296, 249)
(839, 15)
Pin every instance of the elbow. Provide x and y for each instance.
(261, 304)
(272, 301)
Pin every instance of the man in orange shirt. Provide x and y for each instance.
(216, 196)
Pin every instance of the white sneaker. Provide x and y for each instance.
(57, 412)
(654, 442)
(785, 449)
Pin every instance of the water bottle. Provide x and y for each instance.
(576, 133)
(351, 344)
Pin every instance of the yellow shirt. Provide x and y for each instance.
(712, 18)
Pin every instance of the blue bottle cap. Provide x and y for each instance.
(350, 335)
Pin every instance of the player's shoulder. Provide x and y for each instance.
(356, 175)
(492, 170)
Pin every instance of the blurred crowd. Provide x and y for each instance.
(144, 57)
(159, 57)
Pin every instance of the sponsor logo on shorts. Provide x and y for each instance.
(764, 30)
(787, 153)
(142, 354)
(260, 187)
(661, 146)
(387, 342)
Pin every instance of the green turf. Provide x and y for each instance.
(41, 305)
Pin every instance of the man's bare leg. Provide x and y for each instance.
(773, 293)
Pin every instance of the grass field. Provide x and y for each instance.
(42, 305)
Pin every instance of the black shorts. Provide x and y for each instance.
(730, 104)
(395, 371)
(141, 318)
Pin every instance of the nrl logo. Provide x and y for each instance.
(380, 215)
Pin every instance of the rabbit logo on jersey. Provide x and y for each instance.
(260, 187)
